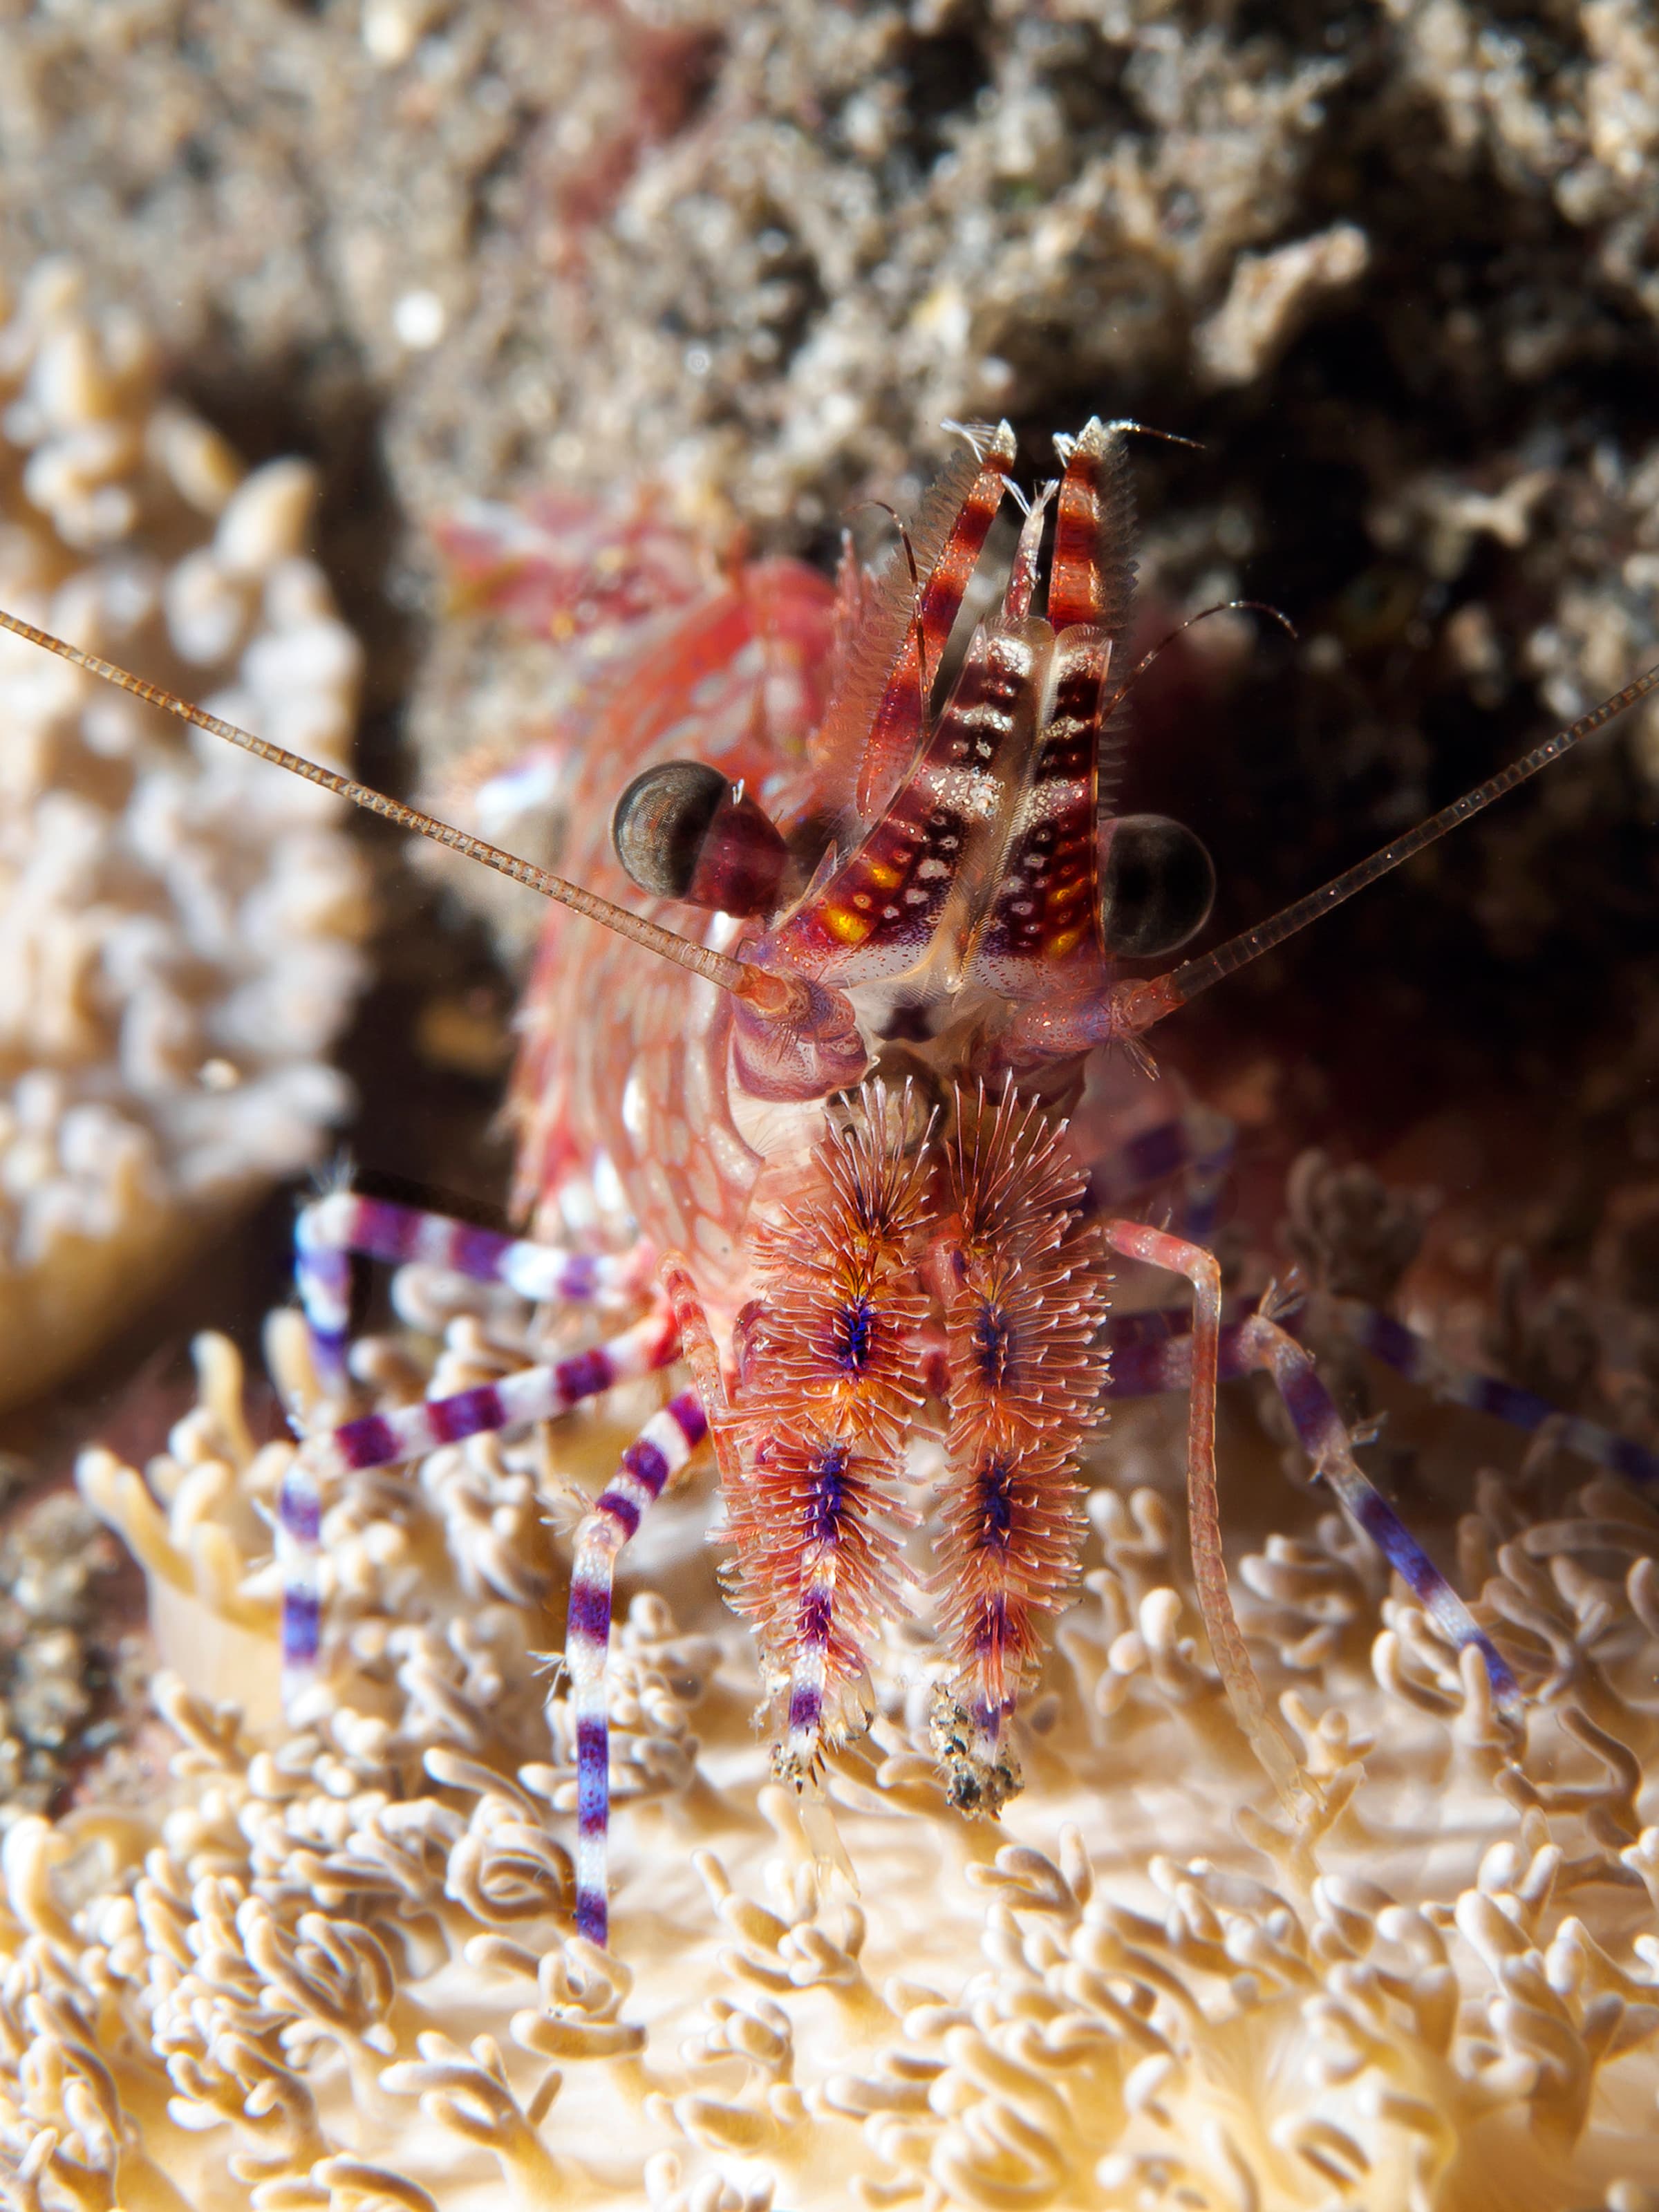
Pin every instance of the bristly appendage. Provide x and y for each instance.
(1025, 1289)
(831, 1375)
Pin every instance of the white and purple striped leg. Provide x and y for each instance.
(1323, 1434)
(661, 1449)
(331, 1230)
(533, 1393)
(1197, 1145)
(299, 1521)
(1145, 1363)
(1144, 1354)
(1414, 1357)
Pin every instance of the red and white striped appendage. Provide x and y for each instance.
(656, 1456)
(533, 1393)
(331, 1231)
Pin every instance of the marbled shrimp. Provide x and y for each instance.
(873, 1093)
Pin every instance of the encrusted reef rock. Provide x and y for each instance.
(1393, 266)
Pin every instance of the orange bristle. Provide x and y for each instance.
(1026, 1297)
(833, 1372)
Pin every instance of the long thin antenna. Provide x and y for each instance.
(1221, 607)
(767, 992)
(1184, 983)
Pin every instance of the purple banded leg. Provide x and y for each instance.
(1144, 1362)
(1143, 1365)
(1197, 1145)
(1151, 1353)
(661, 1449)
(1414, 1357)
(534, 1393)
(331, 1230)
(322, 1279)
(1323, 1436)
(299, 1519)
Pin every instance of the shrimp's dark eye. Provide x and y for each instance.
(1157, 885)
(682, 832)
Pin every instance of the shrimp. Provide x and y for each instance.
(840, 1003)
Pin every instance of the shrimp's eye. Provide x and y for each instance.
(682, 832)
(1157, 885)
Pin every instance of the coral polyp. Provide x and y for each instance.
(178, 943)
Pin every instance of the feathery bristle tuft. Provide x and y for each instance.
(1025, 1298)
(833, 1370)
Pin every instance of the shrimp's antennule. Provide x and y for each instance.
(1221, 607)
(767, 992)
(1061, 1027)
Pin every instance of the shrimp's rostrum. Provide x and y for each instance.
(862, 1067)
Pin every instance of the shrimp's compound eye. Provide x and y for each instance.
(661, 821)
(682, 832)
(1157, 885)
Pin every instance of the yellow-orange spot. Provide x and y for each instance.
(841, 921)
(1065, 942)
(882, 874)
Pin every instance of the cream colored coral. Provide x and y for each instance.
(179, 926)
(333, 1966)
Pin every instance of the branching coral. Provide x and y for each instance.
(333, 1964)
(177, 930)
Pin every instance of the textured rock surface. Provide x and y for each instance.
(1394, 265)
